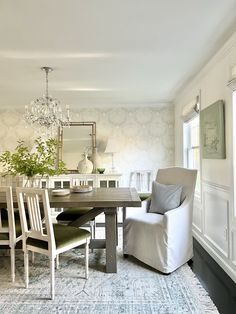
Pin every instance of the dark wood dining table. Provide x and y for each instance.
(106, 200)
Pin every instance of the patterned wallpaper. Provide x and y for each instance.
(145, 136)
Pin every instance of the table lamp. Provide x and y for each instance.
(111, 148)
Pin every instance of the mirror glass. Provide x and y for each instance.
(74, 141)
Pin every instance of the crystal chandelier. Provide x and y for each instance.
(45, 114)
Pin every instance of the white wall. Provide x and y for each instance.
(214, 217)
(145, 135)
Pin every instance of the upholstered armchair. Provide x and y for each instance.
(164, 241)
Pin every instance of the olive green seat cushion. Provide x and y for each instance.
(64, 236)
(144, 196)
(5, 236)
(71, 214)
(4, 217)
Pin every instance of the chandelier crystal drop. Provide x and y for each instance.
(45, 114)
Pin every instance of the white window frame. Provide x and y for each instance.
(188, 149)
(234, 148)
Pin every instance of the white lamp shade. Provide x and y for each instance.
(111, 145)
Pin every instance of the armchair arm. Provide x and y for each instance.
(177, 225)
(179, 219)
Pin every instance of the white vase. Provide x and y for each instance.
(96, 160)
(85, 165)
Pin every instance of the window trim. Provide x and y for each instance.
(187, 147)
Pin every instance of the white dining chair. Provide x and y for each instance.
(41, 236)
(141, 180)
(10, 229)
(67, 215)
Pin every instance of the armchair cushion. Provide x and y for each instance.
(5, 236)
(164, 197)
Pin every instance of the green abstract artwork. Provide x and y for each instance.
(212, 128)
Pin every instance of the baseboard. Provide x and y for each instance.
(222, 263)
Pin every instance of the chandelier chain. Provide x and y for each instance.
(46, 83)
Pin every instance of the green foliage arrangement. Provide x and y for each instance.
(42, 161)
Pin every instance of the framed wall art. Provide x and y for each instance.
(212, 129)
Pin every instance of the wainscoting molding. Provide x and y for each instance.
(233, 247)
(216, 221)
(213, 225)
(197, 214)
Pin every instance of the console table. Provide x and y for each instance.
(107, 180)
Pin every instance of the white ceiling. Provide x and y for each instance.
(107, 52)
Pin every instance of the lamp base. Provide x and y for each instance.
(113, 170)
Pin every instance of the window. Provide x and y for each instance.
(191, 147)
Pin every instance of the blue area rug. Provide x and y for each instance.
(136, 288)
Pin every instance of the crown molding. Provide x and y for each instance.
(227, 47)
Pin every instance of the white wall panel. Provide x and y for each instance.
(234, 247)
(197, 215)
(216, 211)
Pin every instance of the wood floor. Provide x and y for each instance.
(219, 285)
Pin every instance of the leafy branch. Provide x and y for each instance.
(42, 161)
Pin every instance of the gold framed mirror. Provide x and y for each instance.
(74, 141)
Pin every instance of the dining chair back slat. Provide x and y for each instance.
(34, 213)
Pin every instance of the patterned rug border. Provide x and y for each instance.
(199, 291)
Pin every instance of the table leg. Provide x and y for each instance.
(117, 228)
(123, 222)
(110, 223)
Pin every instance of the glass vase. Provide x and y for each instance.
(33, 182)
